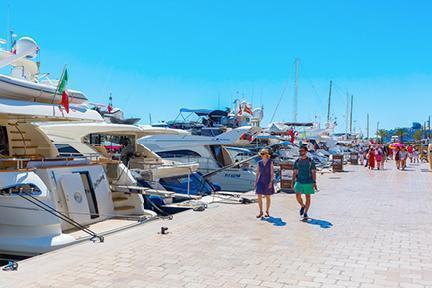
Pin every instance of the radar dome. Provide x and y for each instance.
(258, 113)
(25, 44)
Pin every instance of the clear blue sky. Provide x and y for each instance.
(158, 56)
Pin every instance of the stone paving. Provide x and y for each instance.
(380, 236)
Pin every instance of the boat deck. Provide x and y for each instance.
(369, 229)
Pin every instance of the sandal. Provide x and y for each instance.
(260, 215)
(267, 215)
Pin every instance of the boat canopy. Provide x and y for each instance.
(205, 112)
(199, 112)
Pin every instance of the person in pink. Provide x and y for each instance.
(379, 157)
(410, 151)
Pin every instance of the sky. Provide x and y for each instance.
(158, 56)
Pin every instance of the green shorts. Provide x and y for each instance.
(304, 188)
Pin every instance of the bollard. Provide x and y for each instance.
(354, 157)
(164, 230)
(337, 164)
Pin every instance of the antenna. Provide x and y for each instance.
(296, 86)
(8, 20)
(367, 126)
(329, 102)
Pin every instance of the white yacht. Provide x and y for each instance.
(170, 186)
(210, 153)
(46, 201)
(96, 139)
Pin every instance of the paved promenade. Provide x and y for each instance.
(371, 229)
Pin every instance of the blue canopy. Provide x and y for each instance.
(205, 112)
(199, 112)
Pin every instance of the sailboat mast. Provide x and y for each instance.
(297, 62)
(329, 102)
(346, 115)
(351, 113)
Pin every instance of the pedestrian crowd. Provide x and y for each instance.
(375, 156)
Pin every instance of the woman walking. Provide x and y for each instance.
(403, 154)
(397, 158)
(264, 182)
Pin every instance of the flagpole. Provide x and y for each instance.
(58, 84)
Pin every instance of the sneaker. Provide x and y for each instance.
(302, 210)
(305, 216)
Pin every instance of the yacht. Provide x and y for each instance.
(211, 155)
(170, 181)
(48, 201)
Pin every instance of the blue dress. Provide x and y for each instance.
(264, 179)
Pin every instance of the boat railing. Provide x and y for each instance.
(15, 163)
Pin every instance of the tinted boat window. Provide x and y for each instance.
(4, 143)
(178, 153)
(67, 150)
(218, 154)
(21, 188)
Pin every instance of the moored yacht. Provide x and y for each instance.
(47, 201)
(172, 181)
(210, 153)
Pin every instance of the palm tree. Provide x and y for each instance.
(418, 135)
(381, 134)
(400, 132)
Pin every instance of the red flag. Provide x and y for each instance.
(65, 100)
(63, 91)
(291, 134)
(240, 112)
(248, 109)
(110, 105)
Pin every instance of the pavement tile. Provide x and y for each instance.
(376, 240)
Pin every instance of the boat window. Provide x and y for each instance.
(178, 153)
(21, 188)
(4, 143)
(217, 152)
(67, 150)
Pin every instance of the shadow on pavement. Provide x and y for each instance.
(274, 221)
(322, 223)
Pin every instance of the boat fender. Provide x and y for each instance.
(200, 208)
(11, 266)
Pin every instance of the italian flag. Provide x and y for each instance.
(63, 91)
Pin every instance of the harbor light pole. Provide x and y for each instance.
(296, 86)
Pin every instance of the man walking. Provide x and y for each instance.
(304, 180)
